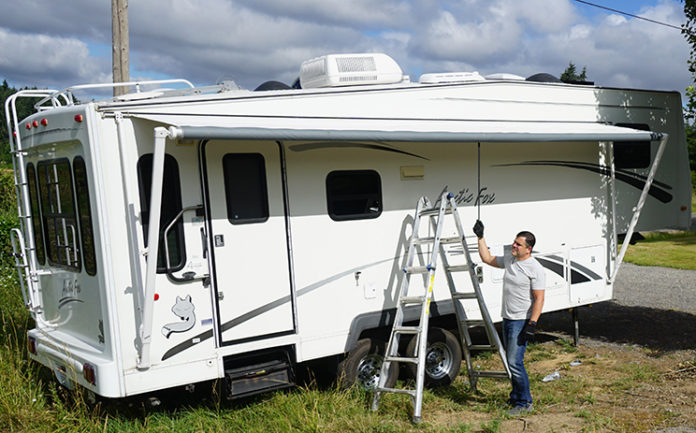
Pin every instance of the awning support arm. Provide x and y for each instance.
(152, 249)
(639, 206)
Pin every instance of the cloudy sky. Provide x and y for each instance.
(57, 43)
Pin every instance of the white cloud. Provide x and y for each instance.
(42, 60)
(256, 40)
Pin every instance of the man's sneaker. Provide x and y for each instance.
(520, 410)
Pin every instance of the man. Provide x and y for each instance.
(524, 283)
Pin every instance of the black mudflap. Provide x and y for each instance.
(256, 372)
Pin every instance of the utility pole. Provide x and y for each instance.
(119, 44)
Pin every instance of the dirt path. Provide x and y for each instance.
(650, 322)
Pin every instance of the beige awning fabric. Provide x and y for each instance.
(288, 128)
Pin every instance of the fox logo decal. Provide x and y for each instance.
(184, 309)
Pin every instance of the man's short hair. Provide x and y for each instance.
(529, 238)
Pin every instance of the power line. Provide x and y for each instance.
(630, 15)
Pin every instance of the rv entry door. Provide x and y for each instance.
(249, 247)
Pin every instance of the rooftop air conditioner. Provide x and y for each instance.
(336, 70)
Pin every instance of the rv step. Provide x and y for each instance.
(457, 268)
(259, 372)
(443, 241)
(401, 359)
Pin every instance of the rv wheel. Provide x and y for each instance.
(363, 363)
(443, 358)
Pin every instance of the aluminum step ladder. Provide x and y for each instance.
(437, 216)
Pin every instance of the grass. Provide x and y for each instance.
(30, 399)
(673, 250)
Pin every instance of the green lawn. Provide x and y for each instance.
(672, 250)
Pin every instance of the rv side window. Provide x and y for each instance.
(245, 187)
(170, 208)
(85, 215)
(632, 154)
(58, 211)
(36, 214)
(354, 195)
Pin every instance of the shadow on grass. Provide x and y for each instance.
(662, 331)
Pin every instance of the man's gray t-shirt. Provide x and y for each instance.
(521, 277)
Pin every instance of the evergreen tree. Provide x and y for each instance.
(570, 75)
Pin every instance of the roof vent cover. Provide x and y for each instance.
(336, 70)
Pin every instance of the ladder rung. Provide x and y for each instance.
(443, 241)
(481, 347)
(418, 269)
(481, 373)
(457, 268)
(411, 392)
(434, 211)
(473, 323)
(460, 295)
(401, 359)
(412, 299)
(407, 329)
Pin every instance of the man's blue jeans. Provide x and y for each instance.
(515, 348)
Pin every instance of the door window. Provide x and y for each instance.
(246, 190)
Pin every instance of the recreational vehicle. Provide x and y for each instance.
(178, 235)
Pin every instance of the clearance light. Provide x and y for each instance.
(31, 345)
(683, 208)
(156, 296)
(90, 373)
(28, 125)
(44, 122)
(78, 118)
(35, 124)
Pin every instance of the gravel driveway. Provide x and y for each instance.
(655, 287)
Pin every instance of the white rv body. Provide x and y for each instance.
(294, 209)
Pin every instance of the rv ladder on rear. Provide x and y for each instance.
(437, 216)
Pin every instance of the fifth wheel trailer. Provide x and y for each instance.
(283, 214)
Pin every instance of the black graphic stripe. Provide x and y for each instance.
(657, 189)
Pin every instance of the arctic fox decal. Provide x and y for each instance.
(184, 309)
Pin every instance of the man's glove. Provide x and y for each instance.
(528, 331)
(478, 229)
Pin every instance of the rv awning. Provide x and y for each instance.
(199, 126)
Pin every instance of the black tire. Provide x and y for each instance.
(443, 358)
(363, 363)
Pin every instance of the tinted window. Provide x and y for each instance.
(35, 214)
(632, 154)
(58, 212)
(245, 187)
(170, 208)
(354, 194)
(85, 215)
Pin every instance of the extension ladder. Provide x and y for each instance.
(437, 220)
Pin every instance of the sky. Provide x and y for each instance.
(59, 43)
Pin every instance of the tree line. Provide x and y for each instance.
(25, 107)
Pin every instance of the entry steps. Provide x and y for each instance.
(437, 216)
(257, 372)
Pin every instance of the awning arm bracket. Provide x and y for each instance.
(641, 201)
(152, 249)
